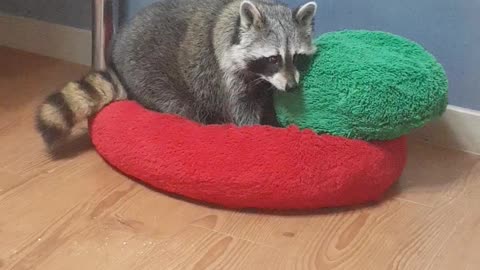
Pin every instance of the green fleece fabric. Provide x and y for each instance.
(366, 85)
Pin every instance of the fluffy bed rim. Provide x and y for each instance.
(250, 167)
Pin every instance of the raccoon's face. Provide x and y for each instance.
(273, 40)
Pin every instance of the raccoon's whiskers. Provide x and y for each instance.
(271, 87)
(255, 82)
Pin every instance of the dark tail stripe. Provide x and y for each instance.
(107, 77)
(58, 101)
(50, 133)
(91, 91)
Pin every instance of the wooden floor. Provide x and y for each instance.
(77, 213)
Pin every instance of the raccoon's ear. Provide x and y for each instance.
(305, 14)
(250, 15)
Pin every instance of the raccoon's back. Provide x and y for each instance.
(150, 42)
(171, 37)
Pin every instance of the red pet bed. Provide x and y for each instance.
(249, 167)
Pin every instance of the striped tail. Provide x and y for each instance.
(76, 102)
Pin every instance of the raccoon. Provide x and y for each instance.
(213, 61)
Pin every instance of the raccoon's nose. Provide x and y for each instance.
(291, 85)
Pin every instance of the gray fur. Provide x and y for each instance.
(184, 57)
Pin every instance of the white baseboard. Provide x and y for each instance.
(459, 128)
(54, 40)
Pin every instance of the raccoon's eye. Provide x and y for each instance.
(274, 59)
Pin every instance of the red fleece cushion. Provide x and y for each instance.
(248, 167)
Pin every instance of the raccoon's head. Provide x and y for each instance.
(272, 40)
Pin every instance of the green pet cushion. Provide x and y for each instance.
(366, 85)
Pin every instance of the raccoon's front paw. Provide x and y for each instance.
(270, 119)
(247, 120)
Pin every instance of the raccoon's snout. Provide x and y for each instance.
(293, 80)
(283, 82)
(291, 86)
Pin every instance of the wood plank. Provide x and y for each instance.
(78, 213)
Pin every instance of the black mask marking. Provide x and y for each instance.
(266, 66)
(302, 62)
